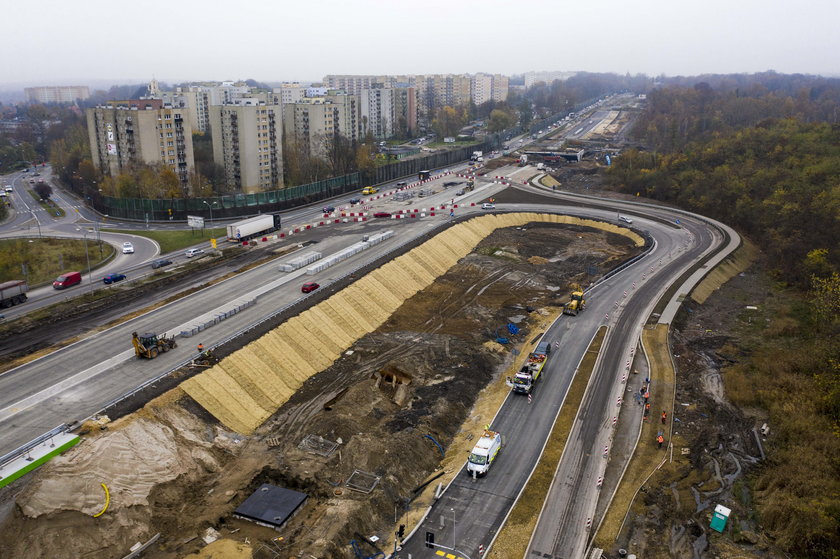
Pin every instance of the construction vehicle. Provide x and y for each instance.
(526, 378)
(484, 453)
(151, 345)
(577, 303)
(470, 185)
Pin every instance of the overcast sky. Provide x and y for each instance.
(49, 42)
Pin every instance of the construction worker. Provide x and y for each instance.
(200, 348)
(647, 409)
(660, 439)
(647, 396)
(664, 416)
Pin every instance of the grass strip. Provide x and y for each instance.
(515, 534)
(170, 241)
(647, 457)
(736, 263)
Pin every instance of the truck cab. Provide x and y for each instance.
(484, 453)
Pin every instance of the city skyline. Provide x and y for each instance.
(55, 43)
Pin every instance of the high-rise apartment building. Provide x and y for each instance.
(247, 142)
(290, 92)
(355, 84)
(482, 88)
(311, 123)
(57, 94)
(123, 133)
(377, 112)
(500, 88)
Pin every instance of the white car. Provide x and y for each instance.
(128, 248)
(625, 219)
(488, 206)
(9, 188)
(193, 252)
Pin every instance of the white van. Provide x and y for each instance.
(484, 453)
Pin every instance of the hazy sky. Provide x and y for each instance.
(64, 42)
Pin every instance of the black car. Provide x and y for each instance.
(161, 263)
(355, 201)
(451, 183)
(328, 209)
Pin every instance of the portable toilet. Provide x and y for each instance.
(719, 518)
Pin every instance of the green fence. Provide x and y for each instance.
(237, 205)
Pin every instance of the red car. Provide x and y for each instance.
(382, 214)
(310, 286)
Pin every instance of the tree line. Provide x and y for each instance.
(764, 157)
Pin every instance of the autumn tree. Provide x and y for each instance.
(448, 121)
(500, 120)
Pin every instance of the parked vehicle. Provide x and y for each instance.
(13, 293)
(68, 279)
(193, 252)
(310, 286)
(113, 278)
(253, 227)
(382, 214)
(484, 453)
(161, 262)
(526, 378)
(128, 248)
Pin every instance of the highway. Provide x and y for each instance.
(73, 382)
(480, 506)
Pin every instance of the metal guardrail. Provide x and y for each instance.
(25, 448)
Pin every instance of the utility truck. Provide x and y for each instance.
(13, 293)
(477, 156)
(526, 378)
(484, 453)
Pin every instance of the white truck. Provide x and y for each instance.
(484, 453)
(526, 378)
(477, 156)
(13, 293)
(253, 227)
(540, 166)
(523, 160)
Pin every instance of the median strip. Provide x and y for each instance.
(513, 537)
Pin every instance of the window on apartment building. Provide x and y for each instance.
(170, 143)
(168, 135)
(171, 152)
(167, 116)
(169, 125)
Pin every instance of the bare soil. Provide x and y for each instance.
(387, 402)
(715, 443)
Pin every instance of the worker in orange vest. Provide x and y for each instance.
(647, 396)
(664, 416)
(647, 409)
(200, 348)
(660, 439)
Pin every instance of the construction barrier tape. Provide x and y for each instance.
(107, 501)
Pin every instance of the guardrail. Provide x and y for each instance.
(25, 448)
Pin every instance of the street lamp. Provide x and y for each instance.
(206, 203)
(454, 540)
(87, 257)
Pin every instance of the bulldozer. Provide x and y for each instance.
(151, 345)
(577, 303)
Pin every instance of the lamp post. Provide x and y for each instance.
(206, 203)
(87, 257)
(454, 540)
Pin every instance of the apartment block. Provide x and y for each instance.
(57, 94)
(532, 78)
(482, 88)
(311, 122)
(247, 142)
(133, 131)
(377, 112)
(355, 84)
(290, 92)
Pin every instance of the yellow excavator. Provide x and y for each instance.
(151, 345)
(577, 303)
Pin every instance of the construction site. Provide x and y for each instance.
(348, 409)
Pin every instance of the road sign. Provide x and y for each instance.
(195, 221)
